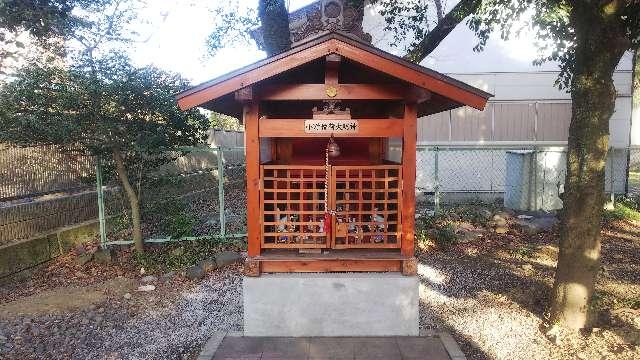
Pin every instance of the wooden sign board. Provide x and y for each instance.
(331, 126)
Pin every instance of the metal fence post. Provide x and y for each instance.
(99, 190)
(436, 180)
(627, 169)
(219, 155)
(612, 194)
(535, 178)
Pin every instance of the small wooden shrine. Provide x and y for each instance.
(330, 136)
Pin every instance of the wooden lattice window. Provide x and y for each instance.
(367, 203)
(292, 204)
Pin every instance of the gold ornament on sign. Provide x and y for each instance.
(331, 91)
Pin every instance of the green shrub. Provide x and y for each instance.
(173, 217)
(423, 241)
(119, 222)
(179, 225)
(446, 235)
(606, 301)
(524, 251)
(175, 256)
(632, 202)
(621, 211)
(437, 229)
(476, 213)
(164, 181)
(427, 222)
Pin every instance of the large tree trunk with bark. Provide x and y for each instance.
(275, 26)
(599, 47)
(134, 201)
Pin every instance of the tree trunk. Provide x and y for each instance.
(134, 202)
(275, 26)
(599, 47)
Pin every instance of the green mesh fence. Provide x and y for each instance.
(199, 195)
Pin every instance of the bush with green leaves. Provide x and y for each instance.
(176, 256)
(621, 211)
(173, 217)
(437, 229)
(106, 107)
(525, 251)
(445, 235)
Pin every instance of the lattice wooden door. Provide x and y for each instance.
(366, 200)
(292, 204)
(367, 203)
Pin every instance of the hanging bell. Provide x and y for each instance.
(333, 148)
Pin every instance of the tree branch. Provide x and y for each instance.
(439, 9)
(454, 17)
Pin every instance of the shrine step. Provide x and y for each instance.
(331, 304)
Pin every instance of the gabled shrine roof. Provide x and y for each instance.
(218, 94)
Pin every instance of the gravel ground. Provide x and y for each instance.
(161, 328)
(213, 305)
(454, 296)
(494, 302)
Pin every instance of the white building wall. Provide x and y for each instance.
(531, 85)
(514, 95)
(505, 69)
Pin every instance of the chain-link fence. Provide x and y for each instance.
(526, 178)
(199, 195)
(183, 199)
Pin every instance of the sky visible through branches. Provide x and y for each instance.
(173, 36)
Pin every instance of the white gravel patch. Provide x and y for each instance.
(492, 325)
(213, 305)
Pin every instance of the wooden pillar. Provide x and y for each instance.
(252, 155)
(409, 138)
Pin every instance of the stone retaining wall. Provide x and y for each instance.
(31, 252)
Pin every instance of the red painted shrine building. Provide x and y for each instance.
(330, 136)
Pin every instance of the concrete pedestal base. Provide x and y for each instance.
(331, 304)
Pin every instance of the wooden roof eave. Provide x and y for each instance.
(335, 43)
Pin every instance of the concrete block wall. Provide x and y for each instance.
(28, 253)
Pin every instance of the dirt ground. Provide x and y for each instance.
(488, 287)
(71, 311)
(490, 290)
